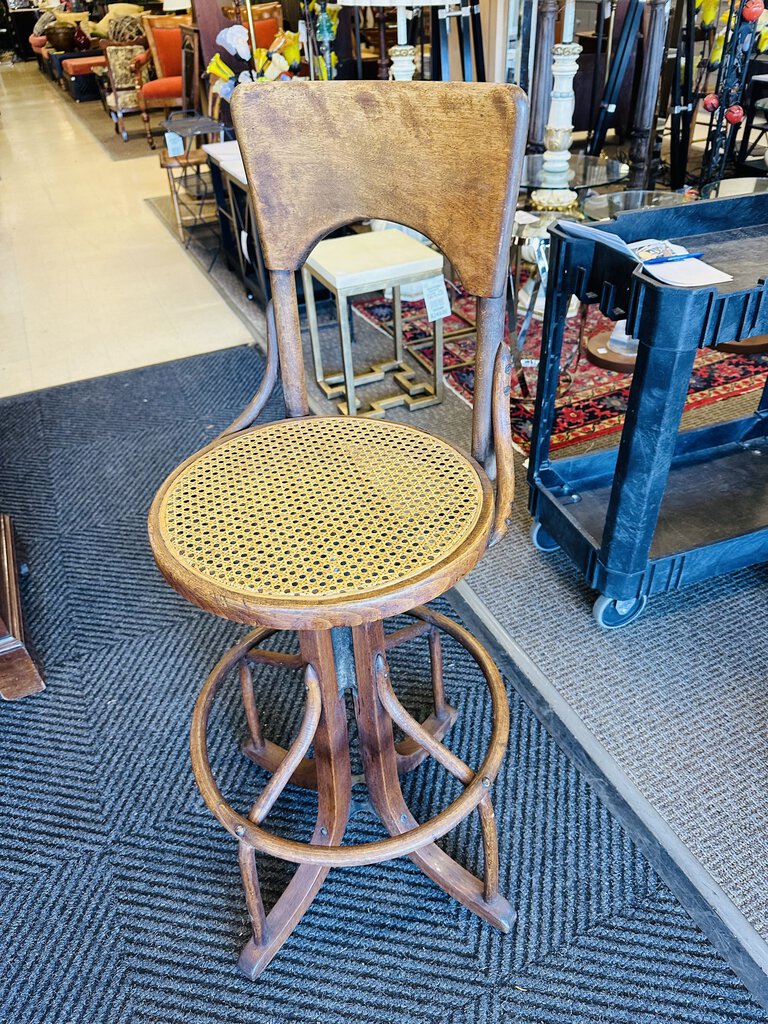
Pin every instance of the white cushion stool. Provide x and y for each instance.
(367, 262)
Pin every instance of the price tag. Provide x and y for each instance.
(436, 298)
(174, 144)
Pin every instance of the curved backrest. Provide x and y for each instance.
(164, 36)
(441, 157)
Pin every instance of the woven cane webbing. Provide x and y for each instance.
(321, 507)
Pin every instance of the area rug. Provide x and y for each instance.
(592, 401)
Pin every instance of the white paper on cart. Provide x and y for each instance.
(687, 273)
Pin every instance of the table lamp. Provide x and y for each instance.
(402, 53)
(557, 135)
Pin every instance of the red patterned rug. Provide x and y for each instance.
(593, 402)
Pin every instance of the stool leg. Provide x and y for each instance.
(175, 200)
(397, 322)
(436, 664)
(269, 755)
(377, 750)
(342, 311)
(438, 358)
(331, 747)
(314, 333)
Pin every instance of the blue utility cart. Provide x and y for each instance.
(667, 507)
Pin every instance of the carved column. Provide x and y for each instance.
(554, 177)
(541, 85)
(648, 90)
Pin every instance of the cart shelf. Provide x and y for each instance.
(667, 507)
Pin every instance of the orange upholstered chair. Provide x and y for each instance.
(164, 91)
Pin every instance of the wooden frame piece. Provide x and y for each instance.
(19, 675)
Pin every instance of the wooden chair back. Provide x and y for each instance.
(159, 22)
(259, 12)
(441, 157)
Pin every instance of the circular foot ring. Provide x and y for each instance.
(404, 844)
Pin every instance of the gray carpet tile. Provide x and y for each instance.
(677, 699)
(121, 898)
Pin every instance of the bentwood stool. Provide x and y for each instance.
(328, 525)
(367, 262)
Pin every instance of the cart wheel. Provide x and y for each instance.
(612, 614)
(542, 541)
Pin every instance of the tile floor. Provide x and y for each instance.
(91, 282)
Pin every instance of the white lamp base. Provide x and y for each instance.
(403, 59)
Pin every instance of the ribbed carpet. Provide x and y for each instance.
(121, 898)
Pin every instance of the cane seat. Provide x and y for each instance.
(300, 519)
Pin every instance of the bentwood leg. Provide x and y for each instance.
(410, 754)
(334, 793)
(377, 750)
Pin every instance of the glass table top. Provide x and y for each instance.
(583, 171)
(194, 124)
(606, 207)
(734, 187)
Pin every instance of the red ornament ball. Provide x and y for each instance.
(711, 102)
(734, 114)
(752, 10)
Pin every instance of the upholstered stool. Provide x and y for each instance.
(56, 60)
(330, 525)
(78, 73)
(367, 262)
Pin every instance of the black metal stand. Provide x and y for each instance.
(630, 31)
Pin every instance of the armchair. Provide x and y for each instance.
(123, 95)
(164, 91)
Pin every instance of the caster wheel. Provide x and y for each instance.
(612, 614)
(542, 541)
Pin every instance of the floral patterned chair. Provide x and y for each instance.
(123, 97)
